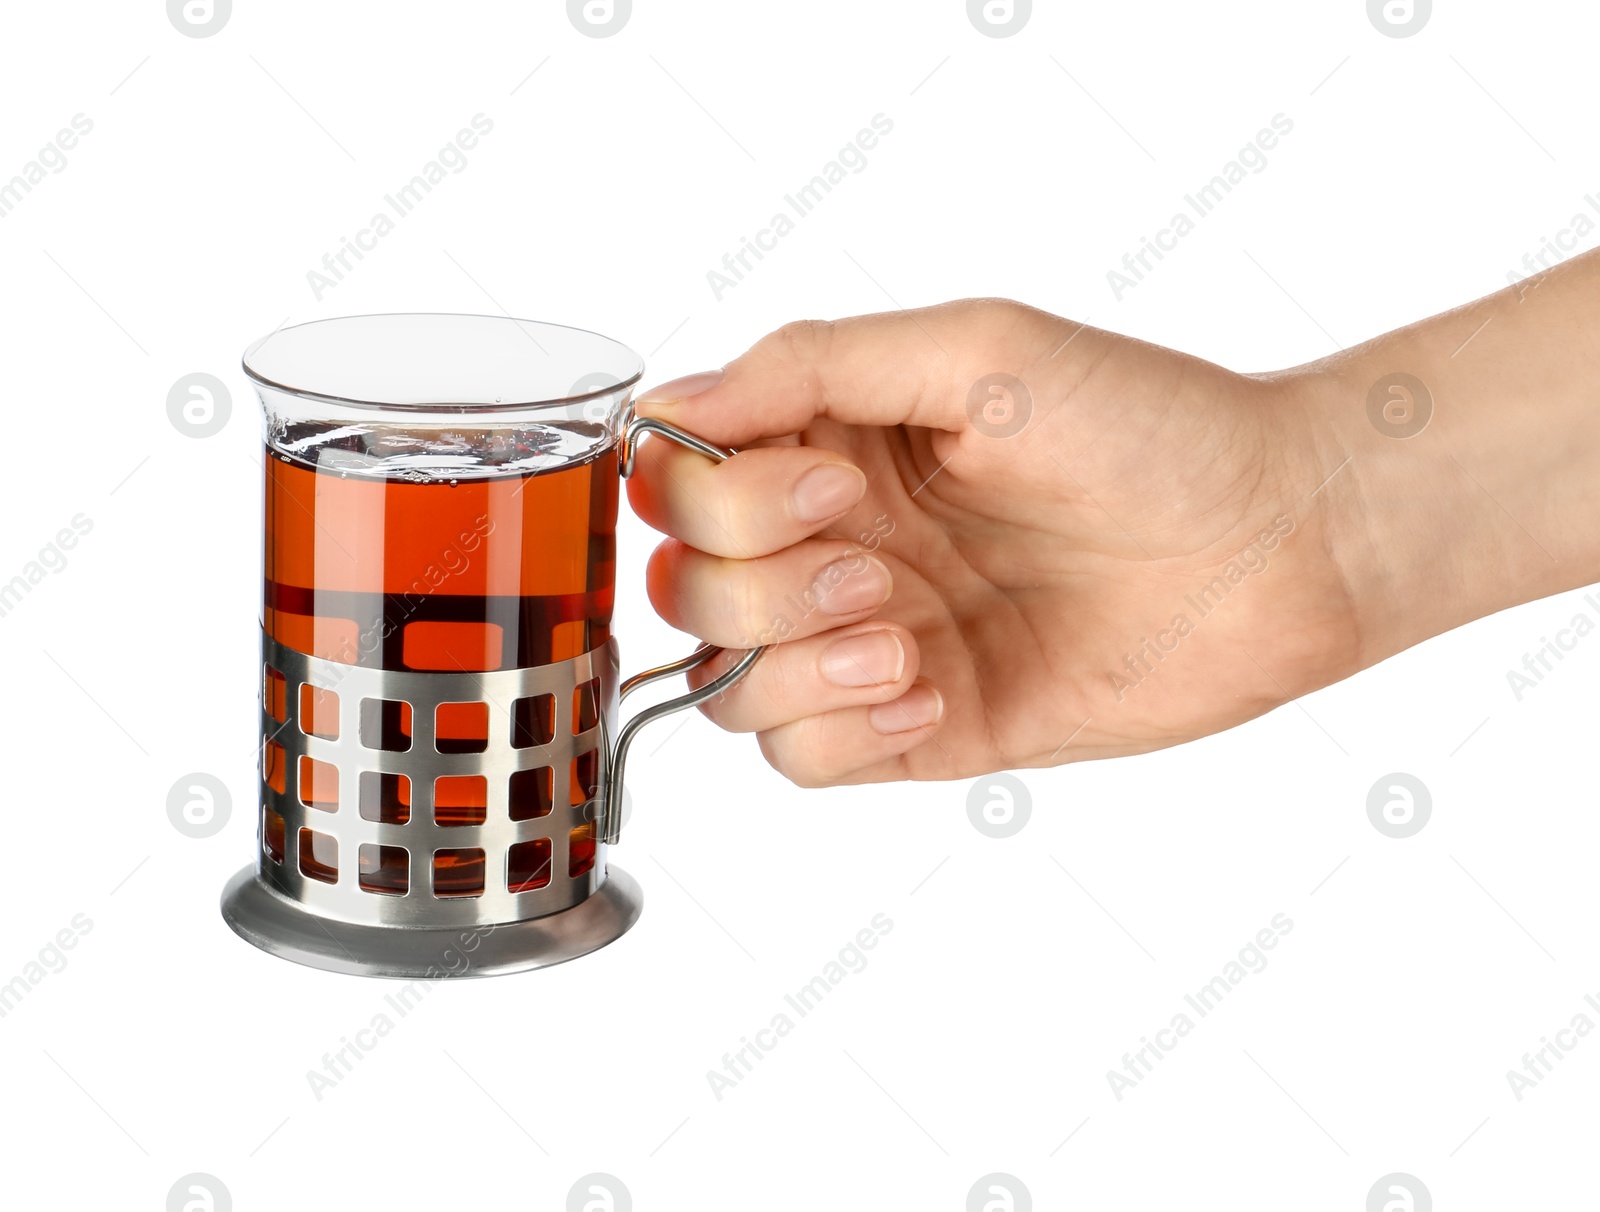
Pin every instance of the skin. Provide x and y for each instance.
(1032, 559)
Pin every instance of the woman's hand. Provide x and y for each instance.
(981, 537)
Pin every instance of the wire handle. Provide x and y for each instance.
(609, 825)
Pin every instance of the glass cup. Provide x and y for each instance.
(441, 752)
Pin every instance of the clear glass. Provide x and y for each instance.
(440, 493)
(433, 395)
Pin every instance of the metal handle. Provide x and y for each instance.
(610, 824)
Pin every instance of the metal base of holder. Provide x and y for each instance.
(266, 918)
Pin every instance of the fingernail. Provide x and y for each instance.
(682, 389)
(854, 583)
(874, 659)
(827, 491)
(919, 707)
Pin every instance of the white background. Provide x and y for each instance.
(978, 1038)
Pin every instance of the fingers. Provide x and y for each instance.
(898, 368)
(758, 502)
(822, 750)
(856, 666)
(810, 587)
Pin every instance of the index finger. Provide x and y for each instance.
(893, 368)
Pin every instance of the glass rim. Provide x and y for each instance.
(276, 381)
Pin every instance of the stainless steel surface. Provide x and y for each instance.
(611, 794)
(345, 900)
(637, 426)
(281, 927)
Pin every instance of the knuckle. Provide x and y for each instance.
(800, 343)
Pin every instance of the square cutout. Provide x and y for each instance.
(385, 798)
(386, 724)
(531, 793)
(272, 834)
(319, 784)
(319, 856)
(385, 870)
(461, 727)
(585, 706)
(533, 721)
(274, 767)
(585, 776)
(319, 712)
(460, 799)
(275, 694)
(458, 872)
(528, 865)
(580, 850)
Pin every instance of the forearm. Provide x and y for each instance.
(1496, 501)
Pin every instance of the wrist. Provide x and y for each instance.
(1463, 456)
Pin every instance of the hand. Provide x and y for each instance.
(1124, 553)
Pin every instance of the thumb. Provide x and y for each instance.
(894, 368)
